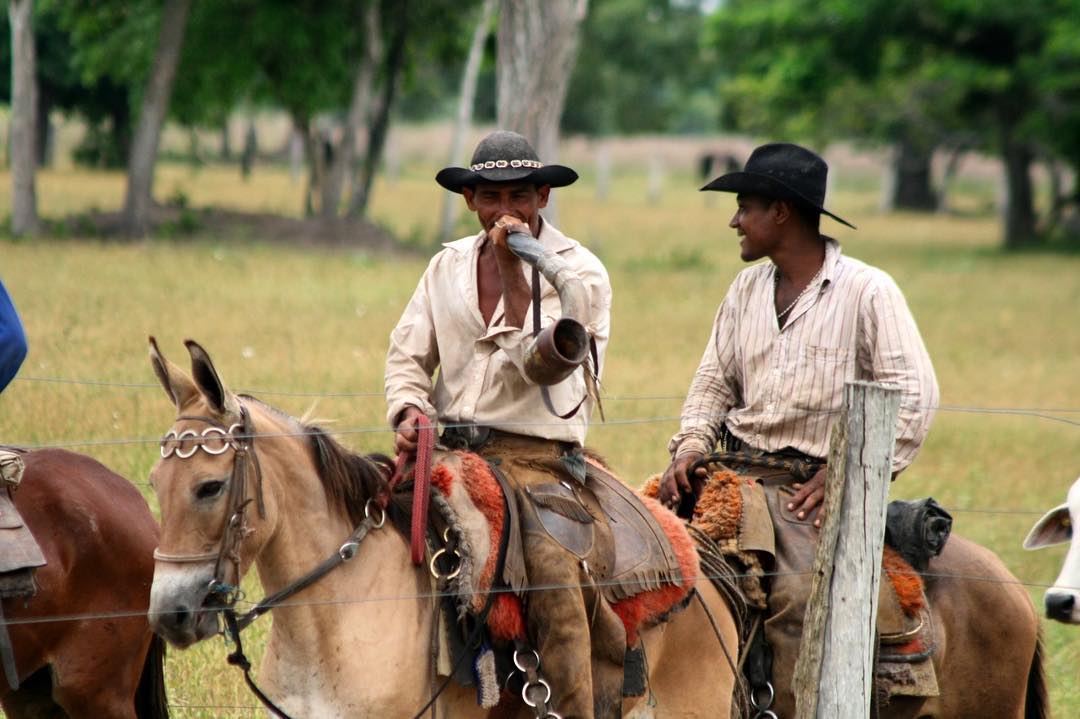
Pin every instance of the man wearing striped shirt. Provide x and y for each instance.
(792, 331)
(787, 337)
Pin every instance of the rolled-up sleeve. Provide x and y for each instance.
(12, 340)
(712, 391)
(412, 357)
(892, 345)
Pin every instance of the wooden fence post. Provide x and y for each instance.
(834, 673)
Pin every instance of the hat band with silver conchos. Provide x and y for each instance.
(499, 164)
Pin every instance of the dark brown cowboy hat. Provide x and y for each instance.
(784, 171)
(505, 156)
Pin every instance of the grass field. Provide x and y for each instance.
(1001, 329)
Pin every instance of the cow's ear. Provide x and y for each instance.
(1054, 528)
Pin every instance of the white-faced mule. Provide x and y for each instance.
(240, 483)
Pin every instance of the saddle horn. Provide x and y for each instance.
(562, 347)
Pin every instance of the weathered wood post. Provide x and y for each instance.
(834, 673)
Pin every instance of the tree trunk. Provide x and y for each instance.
(380, 123)
(363, 83)
(1055, 173)
(912, 186)
(538, 44)
(466, 100)
(226, 141)
(155, 106)
(24, 220)
(1019, 198)
(305, 127)
(251, 149)
(947, 177)
(45, 133)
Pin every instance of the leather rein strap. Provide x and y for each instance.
(425, 453)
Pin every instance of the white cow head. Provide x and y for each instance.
(1056, 527)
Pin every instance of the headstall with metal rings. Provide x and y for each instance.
(215, 440)
(172, 443)
(239, 437)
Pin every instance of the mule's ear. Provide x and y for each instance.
(1054, 528)
(178, 385)
(219, 398)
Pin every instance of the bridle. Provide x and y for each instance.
(216, 440)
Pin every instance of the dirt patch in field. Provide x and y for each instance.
(179, 222)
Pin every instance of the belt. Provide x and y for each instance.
(474, 437)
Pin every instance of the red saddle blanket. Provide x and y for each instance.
(468, 486)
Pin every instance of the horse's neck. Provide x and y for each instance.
(375, 600)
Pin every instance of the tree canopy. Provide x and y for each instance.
(995, 74)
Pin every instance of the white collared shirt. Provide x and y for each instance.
(481, 368)
(783, 387)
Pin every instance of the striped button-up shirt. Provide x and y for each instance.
(777, 387)
(481, 376)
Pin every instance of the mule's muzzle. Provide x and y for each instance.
(183, 626)
(179, 611)
(1061, 606)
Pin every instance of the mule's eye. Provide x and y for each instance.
(209, 490)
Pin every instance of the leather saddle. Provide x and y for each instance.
(19, 551)
(606, 525)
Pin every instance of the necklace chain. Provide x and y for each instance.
(776, 285)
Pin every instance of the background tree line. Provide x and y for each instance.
(924, 78)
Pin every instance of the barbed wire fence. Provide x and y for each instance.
(1065, 415)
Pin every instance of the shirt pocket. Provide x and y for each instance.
(822, 372)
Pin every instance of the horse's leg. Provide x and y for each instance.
(689, 666)
(34, 699)
(112, 649)
(991, 632)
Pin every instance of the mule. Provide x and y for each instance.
(82, 644)
(1055, 527)
(358, 641)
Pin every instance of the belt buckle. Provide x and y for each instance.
(476, 435)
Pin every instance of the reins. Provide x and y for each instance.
(425, 452)
(240, 438)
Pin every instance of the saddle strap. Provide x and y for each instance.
(7, 654)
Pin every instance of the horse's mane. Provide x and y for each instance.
(348, 478)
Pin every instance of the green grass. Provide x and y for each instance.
(1001, 329)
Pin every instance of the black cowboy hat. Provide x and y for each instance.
(784, 171)
(505, 156)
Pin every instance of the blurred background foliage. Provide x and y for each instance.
(925, 79)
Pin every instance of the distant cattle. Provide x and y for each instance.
(1056, 527)
(712, 164)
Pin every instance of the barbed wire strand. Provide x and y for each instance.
(615, 422)
(439, 595)
(614, 397)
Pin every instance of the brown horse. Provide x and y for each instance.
(82, 644)
(987, 652)
(358, 641)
